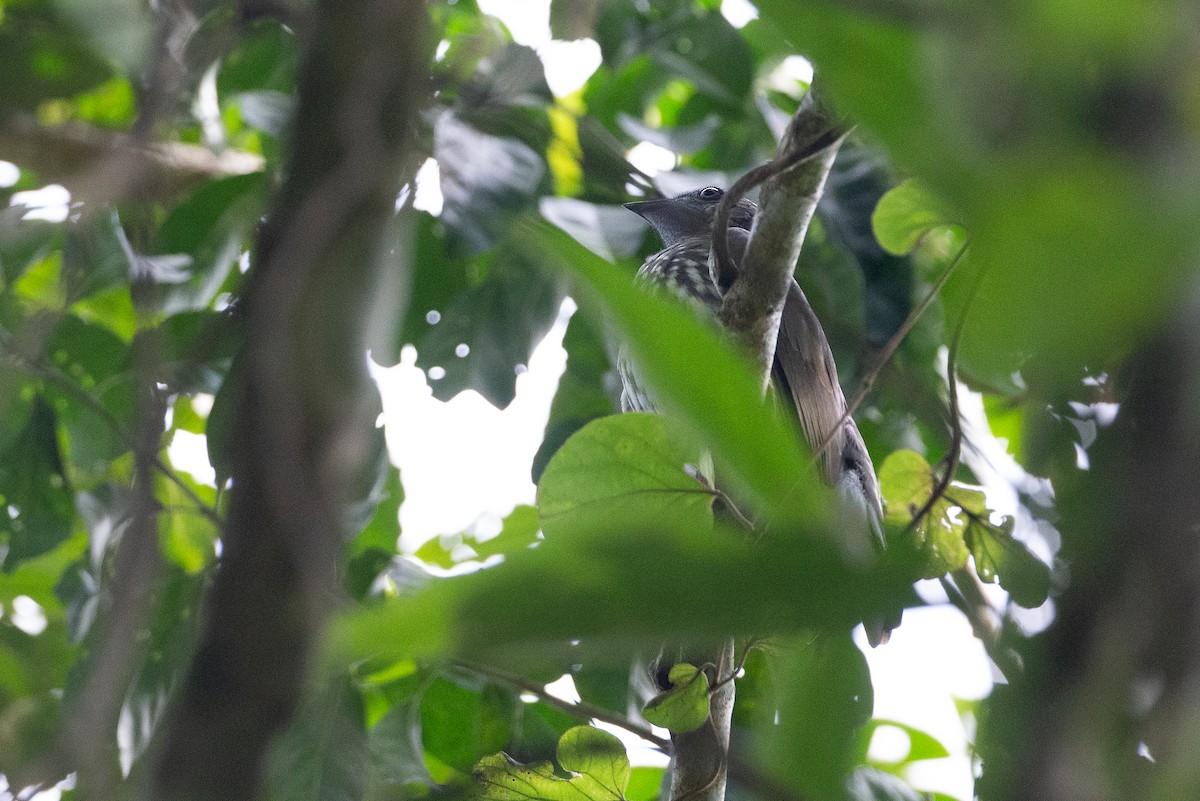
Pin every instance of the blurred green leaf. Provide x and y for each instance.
(921, 745)
(323, 755)
(519, 531)
(684, 707)
(905, 214)
(645, 783)
(397, 756)
(827, 697)
(459, 724)
(622, 471)
(870, 784)
(39, 510)
(44, 57)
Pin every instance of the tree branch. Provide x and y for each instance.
(753, 305)
(581, 709)
(100, 166)
(305, 410)
(889, 350)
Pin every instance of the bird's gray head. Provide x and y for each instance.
(691, 214)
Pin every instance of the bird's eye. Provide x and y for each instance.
(710, 193)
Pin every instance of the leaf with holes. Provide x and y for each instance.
(998, 555)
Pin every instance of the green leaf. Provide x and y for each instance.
(921, 745)
(582, 393)
(500, 320)
(460, 724)
(906, 482)
(186, 536)
(828, 696)
(323, 756)
(599, 759)
(39, 510)
(625, 470)
(755, 449)
(998, 554)
(645, 783)
(684, 707)
(905, 214)
(397, 756)
(596, 758)
(519, 531)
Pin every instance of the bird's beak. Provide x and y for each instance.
(648, 209)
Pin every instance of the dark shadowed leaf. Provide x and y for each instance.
(586, 390)
(397, 757)
(998, 555)
(869, 784)
(39, 512)
(490, 329)
(44, 57)
(323, 756)
(486, 182)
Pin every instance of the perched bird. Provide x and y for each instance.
(804, 369)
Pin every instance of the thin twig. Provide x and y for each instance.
(736, 669)
(975, 607)
(726, 272)
(889, 350)
(580, 709)
(955, 422)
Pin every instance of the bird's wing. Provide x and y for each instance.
(804, 366)
(804, 361)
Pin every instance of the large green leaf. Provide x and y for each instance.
(623, 471)
(721, 402)
(596, 759)
(827, 697)
(484, 333)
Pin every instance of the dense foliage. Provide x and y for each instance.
(1015, 208)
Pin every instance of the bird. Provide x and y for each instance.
(803, 370)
